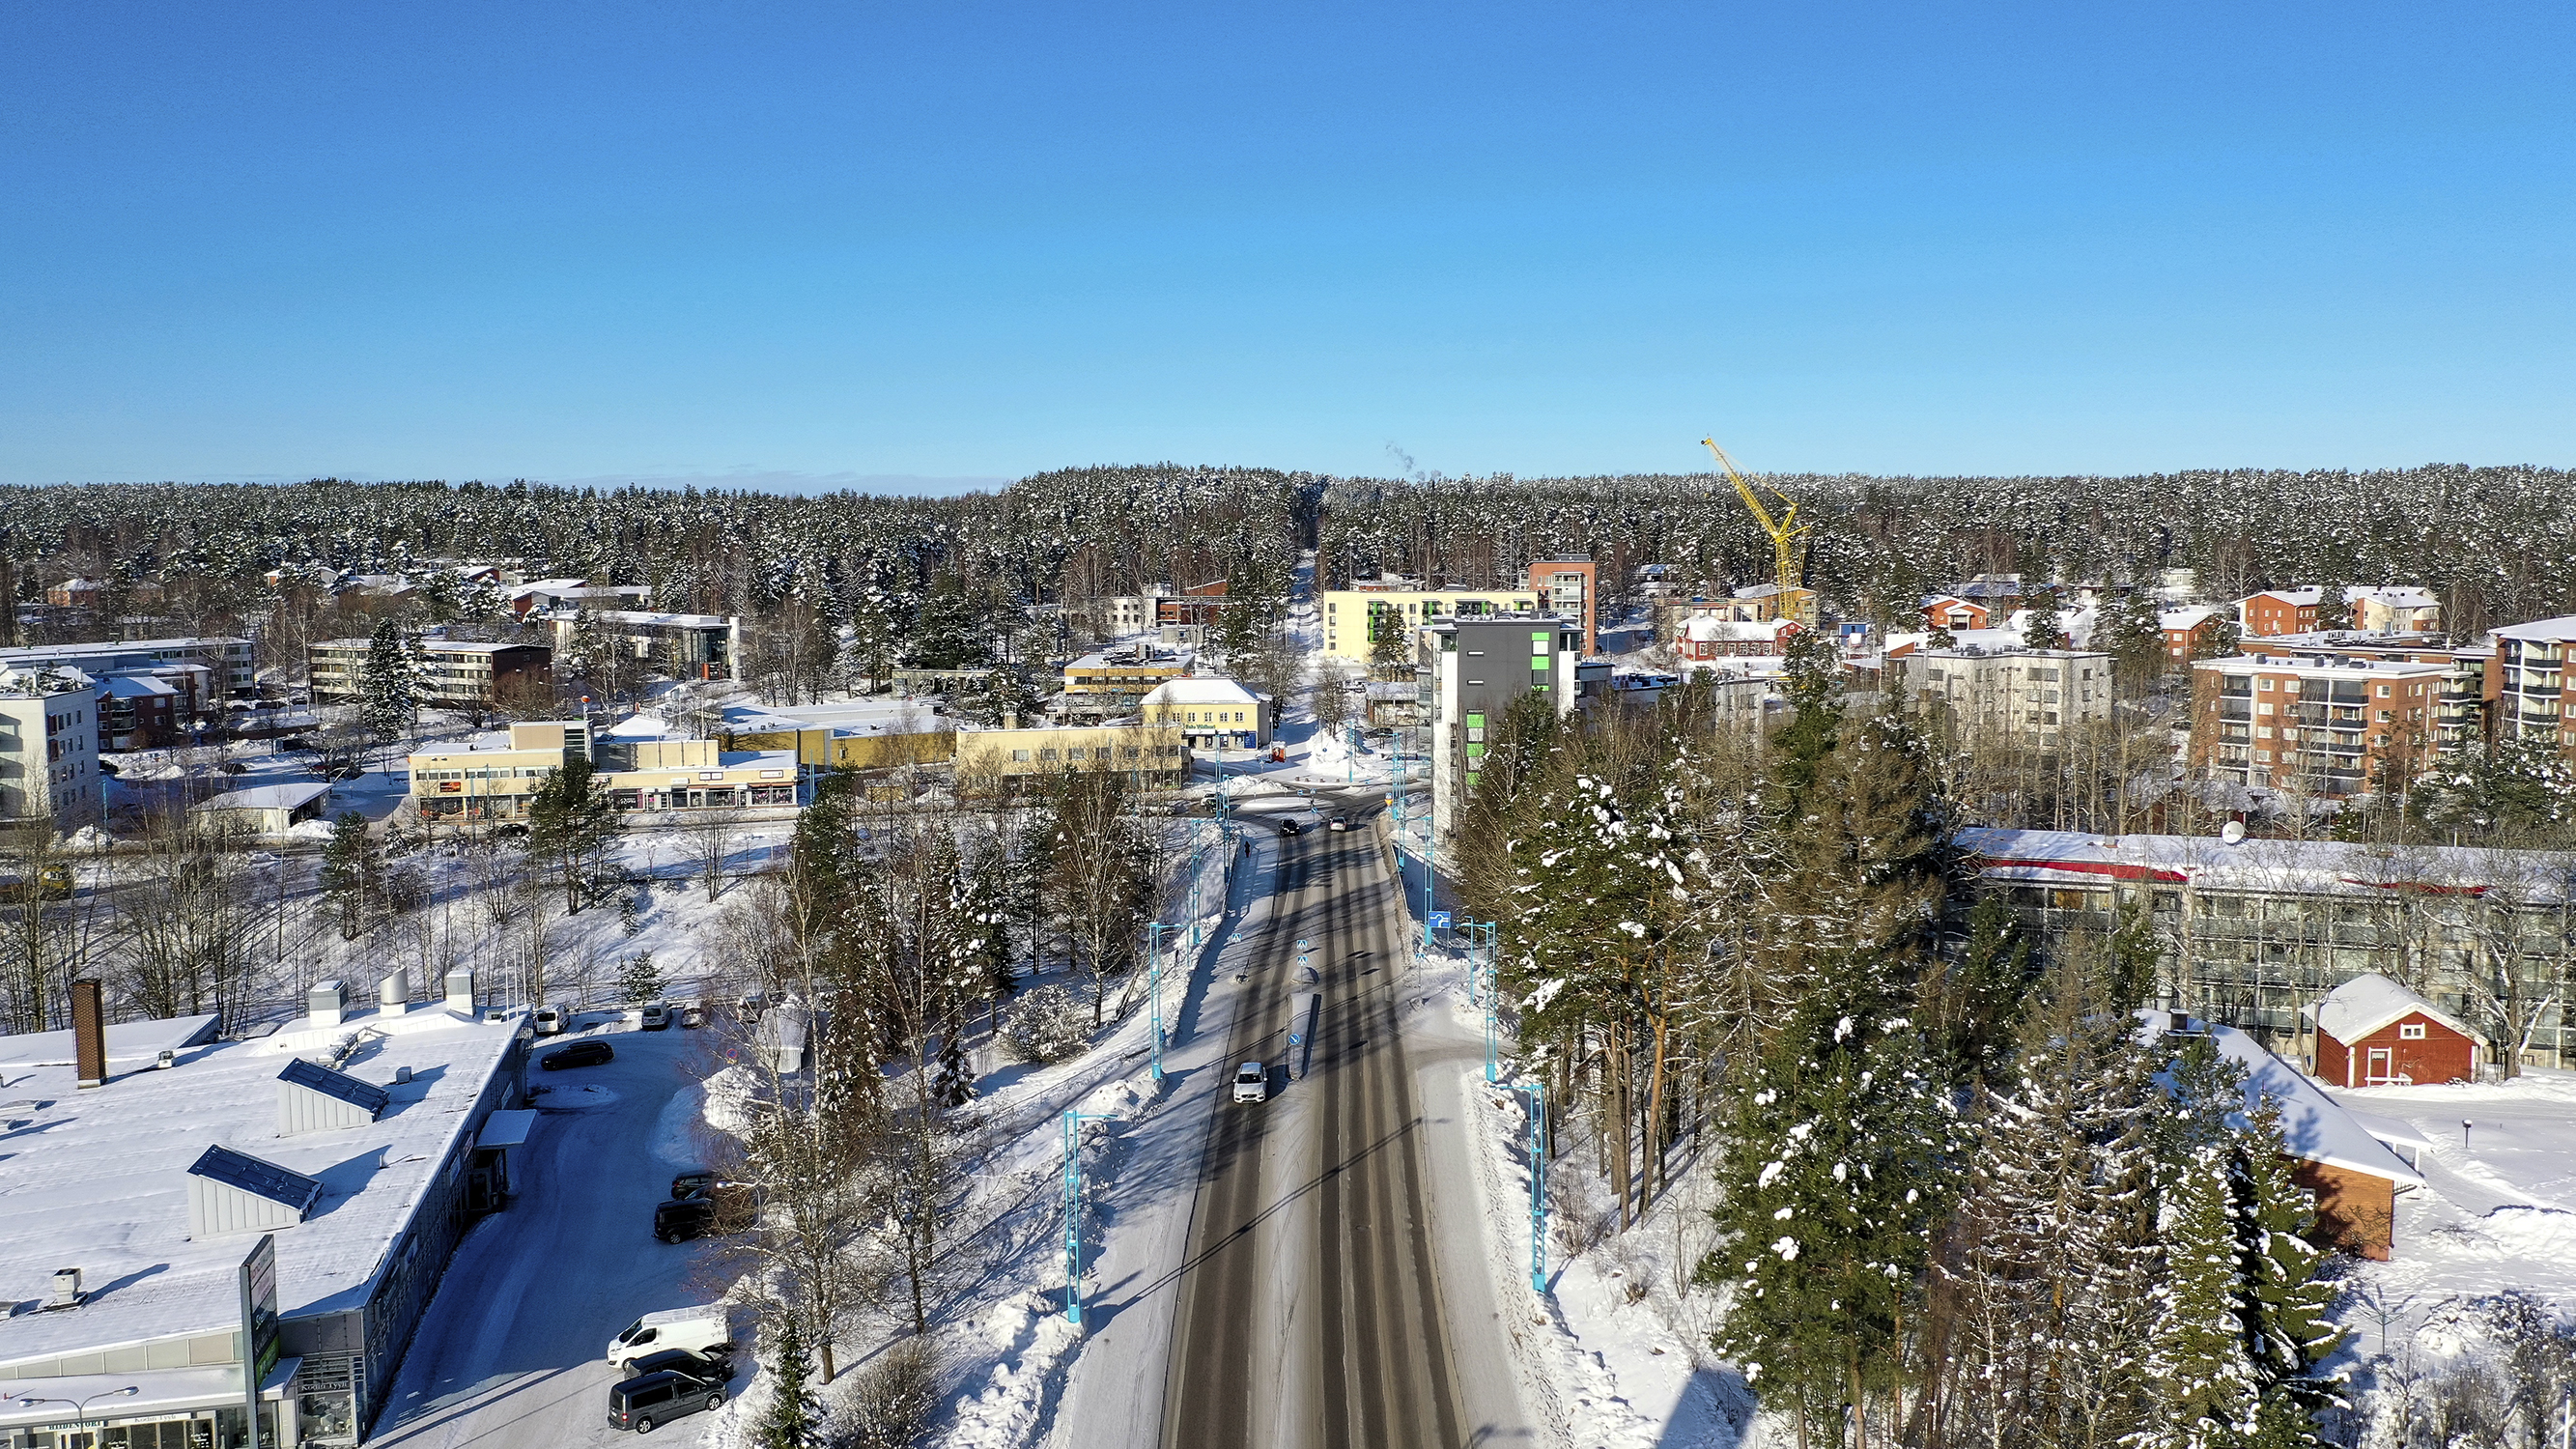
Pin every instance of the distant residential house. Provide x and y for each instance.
(2374, 1032)
(1211, 713)
(2396, 608)
(1707, 638)
(2187, 630)
(267, 809)
(1949, 611)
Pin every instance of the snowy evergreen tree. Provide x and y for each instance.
(2286, 1302)
(388, 682)
(2203, 1372)
(2041, 627)
(791, 1418)
(348, 872)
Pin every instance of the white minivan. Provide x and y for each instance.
(700, 1330)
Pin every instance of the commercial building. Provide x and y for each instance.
(873, 734)
(192, 1206)
(450, 671)
(2326, 725)
(1475, 669)
(1210, 713)
(227, 659)
(2253, 932)
(49, 749)
(2530, 686)
(496, 782)
(1356, 619)
(2030, 692)
(1157, 756)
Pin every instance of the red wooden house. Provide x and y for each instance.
(2373, 1032)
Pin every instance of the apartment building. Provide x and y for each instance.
(1355, 618)
(1199, 605)
(2331, 726)
(2253, 931)
(1157, 756)
(49, 749)
(1571, 589)
(1121, 675)
(2029, 692)
(1475, 669)
(451, 671)
(228, 659)
(2530, 688)
(2188, 631)
(2396, 608)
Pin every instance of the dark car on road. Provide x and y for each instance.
(702, 1204)
(647, 1400)
(1290, 826)
(579, 1054)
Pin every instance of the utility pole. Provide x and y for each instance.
(1073, 1211)
(1492, 992)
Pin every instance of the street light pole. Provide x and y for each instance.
(1154, 968)
(80, 1407)
(1073, 1212)
(1538, 1182)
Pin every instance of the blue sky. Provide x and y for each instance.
(874, 242)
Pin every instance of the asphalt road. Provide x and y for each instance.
(512, 1350)
(1311, 1309)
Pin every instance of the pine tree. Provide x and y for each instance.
(348, 869)
(2200, 1362)
(789, 1422)
(1811, 680)
(2040, 628)
(570, 821)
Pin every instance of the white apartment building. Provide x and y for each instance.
(2532, 698)
(2022, 691)
(49, 749)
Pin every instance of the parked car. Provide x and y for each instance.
(588, 1053)
(712, 1368)
(683, 1219)
(641, 1404)
(1252, 1083)
(295, 742)
(703, 1329)
(656, 1016)
(233, 767)
(694, 1014)
(262, 857)
(548, 1020)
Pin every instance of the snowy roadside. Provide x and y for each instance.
(1613, 1354)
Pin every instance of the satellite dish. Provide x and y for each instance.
(2234, 833)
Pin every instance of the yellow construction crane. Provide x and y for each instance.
(1785, 533)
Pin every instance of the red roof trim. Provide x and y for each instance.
(2113, 869)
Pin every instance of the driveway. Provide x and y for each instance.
(511, 1350)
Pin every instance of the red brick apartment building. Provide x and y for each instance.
(1571, 588)
(2333, 727)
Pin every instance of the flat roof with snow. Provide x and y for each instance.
(100, 1179)
(265, 797)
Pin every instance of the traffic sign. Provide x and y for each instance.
(1440, 920)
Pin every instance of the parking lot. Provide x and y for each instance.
(512, 1351)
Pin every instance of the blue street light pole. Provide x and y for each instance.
(1538, 1182)
(1493, 991)
(1154, 968)
(1073, 1213)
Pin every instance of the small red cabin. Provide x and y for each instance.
(2373, 1032)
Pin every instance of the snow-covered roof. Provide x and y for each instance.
(104, 1187)
(2371, 1001)
(1706, 629)
(137, 686)
(265, 797)
(1200, 690)
(2189, 617)
(2562, 627)
(2304, 867)
(2396, 596)
(2314, 1127)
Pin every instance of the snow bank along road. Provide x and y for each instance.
(1313, 1310)
(511, 1352)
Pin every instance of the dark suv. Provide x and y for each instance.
(717, 1208)
(579, 1054)
(658, 1397)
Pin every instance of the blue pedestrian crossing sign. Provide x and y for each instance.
(1440, 920)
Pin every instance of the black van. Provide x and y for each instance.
(646, 1400)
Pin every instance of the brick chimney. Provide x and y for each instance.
(89, 1034)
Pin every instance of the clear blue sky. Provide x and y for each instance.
(961, 241)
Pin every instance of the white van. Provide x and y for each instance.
(548, 1020)
(702, 1330)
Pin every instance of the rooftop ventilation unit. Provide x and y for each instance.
(233, 1192)
(313, 1098)
(327, 1002)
